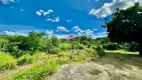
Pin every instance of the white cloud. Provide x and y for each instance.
(109, 8)
(61, 28)
(69, 20)
(61, 36)
(95, 29)
(48, 32)
(88, 33)
(101, 34)
(47, 12)
(11, 7)
(44, 13)
(22, 10)
(7, 1)
(57, 19)
(38, 13)
(75, 27)
(11, 33)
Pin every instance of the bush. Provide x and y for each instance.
(90, 50)
(111, 46)
(12, 48)
(65, 46)
(133, 47)
(7, 62)
(81, 46)
(63, 61)
(100, 51)
(64, 54)
(3, 42)
(55, 50)
(80, 57)
(37, 72)
(25, 59)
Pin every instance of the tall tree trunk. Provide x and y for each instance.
(140, 49)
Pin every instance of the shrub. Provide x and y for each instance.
(64, 54)
(90, 51)
(12, 48)
(63, 61)
(55, 50)
(111, 46)
(2, 42)
(37, 72)
(39, 57)
(25, 59)
(65, 46)
(81, 46)
(133, 47)
(75, 45)
(100, 51)
(80, 57)
(7, 62)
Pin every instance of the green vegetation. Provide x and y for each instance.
(126, 26)
(7, 62)
(100, 51)
(37, 72)
(25, 59)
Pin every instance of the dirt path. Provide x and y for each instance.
(14, 71)
(110, 67)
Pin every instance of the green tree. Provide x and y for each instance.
(55, 41)
(126, 26)
(34, 41)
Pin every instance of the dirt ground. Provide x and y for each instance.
(109, 67)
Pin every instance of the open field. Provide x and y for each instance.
(65, 66)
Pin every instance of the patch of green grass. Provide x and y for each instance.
(121, 52)
(25, 59)
(37, 72)
(64, 54)
(62, 61)
(46, 64)
(7, 62)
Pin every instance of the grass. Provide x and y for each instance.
(121, 52)
(25, 59)
(37, 72)
(7, 62)
(46, 64)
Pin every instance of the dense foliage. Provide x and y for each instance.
(126, 26)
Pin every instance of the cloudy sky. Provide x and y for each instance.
(58, 17)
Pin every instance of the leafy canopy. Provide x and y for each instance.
(126, 25)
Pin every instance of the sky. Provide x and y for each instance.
(58, 17)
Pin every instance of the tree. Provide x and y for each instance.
(55, 41)
(34, 41)
(126, 26)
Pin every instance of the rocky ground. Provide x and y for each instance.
(109, 67)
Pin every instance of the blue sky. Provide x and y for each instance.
(58, 17)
